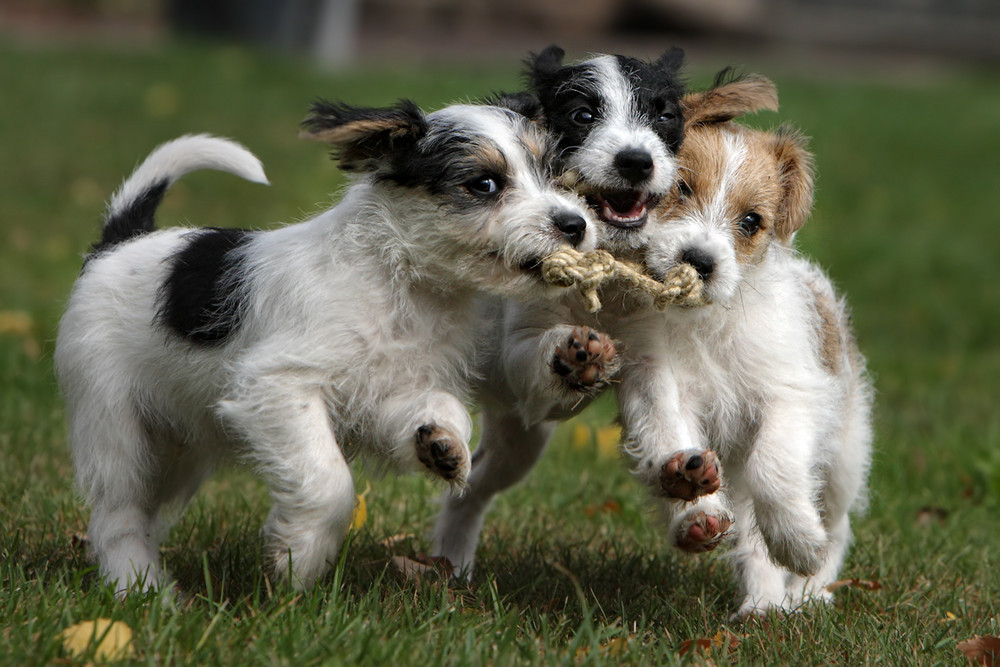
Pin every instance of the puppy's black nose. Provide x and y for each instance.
(702, 262)
(634, 164)
(572, 225)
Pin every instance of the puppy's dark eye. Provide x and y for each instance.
(483, 186)
(750, 223)
(683, 189)
(583, 116)
(666, 117)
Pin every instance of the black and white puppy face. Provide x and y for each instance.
(618, 125)
(471, 187)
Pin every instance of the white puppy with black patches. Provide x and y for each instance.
(294, 350)
(767, 375)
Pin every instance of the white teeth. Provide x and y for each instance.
(609, 213)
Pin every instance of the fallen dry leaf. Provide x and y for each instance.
(983, 651)
(393, 540)
(702, 644)
(422, 564)
(722, 641)
(16, 322)
(855, 583)
(607, 441)
(930, 515)
(610, 507)
(360, 515)
(113, 639)
(581, 436)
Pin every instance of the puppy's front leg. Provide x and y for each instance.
(779, 474)
(287, 431)
(429, 430)
(661, 436)
(553, 369)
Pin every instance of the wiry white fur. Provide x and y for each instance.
(359, 326)
(521, 397)
(183, 155)
(744, 376)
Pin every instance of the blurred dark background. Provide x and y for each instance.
(341, 33)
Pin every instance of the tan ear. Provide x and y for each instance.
(726, 100)
(363, 137)
(796, 170)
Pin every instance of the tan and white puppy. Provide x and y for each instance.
(767, 375)
(352, 333)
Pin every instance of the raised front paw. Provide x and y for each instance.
(587, 360)
(690, 473)
(444, 455)
(702, 531)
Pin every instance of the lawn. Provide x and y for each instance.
(573, 566)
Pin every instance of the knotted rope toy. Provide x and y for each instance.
(588, 271)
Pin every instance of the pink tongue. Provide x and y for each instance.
(616, 206)
(633, 212)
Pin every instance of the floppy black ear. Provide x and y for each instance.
(671, 60)
(542, 66)
(522, 103)
(363, 137)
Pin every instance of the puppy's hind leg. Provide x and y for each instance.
(289, 438)
(781, 477)
(117, 471)
(506, 452)
(762, 583)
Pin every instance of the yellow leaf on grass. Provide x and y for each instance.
(16, 322)
(360, 509)
(581, 436)
(111, 640)
(608, 438)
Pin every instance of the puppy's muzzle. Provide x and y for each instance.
(571, 225)
(703, 262)
(635, 165)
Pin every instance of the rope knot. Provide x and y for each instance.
(588, 271)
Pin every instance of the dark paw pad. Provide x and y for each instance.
(687, 475)
(441, 452)
(587, 360)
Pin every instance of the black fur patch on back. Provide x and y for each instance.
(201, 299)
(139, 218)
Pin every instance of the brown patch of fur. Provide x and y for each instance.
(489, 156)
(829, 331)
(725, 101)
(536, 144)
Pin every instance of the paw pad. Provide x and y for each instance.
(442, 453)
(703, 531)
(687, 475)
(587, 360)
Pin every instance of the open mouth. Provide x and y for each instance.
(627, 208)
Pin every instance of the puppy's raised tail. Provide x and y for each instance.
(132, 209)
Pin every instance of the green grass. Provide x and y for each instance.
(905, 222)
